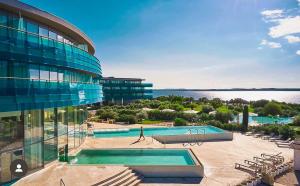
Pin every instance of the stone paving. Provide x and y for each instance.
(218, 159)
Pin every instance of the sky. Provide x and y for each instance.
(191, 43)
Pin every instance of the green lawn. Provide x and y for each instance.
(149, 122)
(223, 108)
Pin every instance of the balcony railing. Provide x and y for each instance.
(29, 47)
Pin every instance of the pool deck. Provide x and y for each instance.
(218, 159)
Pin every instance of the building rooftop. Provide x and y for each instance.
(47, 19)
(125, 79)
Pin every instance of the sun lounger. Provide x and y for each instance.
(284, 141)
(275, 157)
(268, 136)
(285, 145)
(250, 133)
(278, 155)
(258, 134)
(279, 137)
(251, 168)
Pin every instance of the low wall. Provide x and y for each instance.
(195, 137)
(191, 171)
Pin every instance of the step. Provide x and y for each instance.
(117, 178)
(123, 180)
(130, 180)
(103, 182)
(135, 183)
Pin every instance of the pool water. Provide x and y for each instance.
(162, 131)
(134, 157)
(268, 120)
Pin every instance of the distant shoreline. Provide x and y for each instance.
(234, 89)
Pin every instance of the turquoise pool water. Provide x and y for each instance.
(134, 157)
(268, 120)
(162, 131)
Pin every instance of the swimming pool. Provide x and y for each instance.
(133, 157)
(267, 120)
(147, 162)
(161, 131)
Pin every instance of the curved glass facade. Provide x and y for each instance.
(46, 81)
(125, 90)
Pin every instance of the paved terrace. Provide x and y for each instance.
(218, 159)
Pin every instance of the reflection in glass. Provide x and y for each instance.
(11, 130)
(33, 138)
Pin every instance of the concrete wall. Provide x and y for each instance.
(191, 171)
(194, 137)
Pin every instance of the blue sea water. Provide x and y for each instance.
(284, 96)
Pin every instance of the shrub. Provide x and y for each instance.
(216, 103)
(272, 108)
(142, 115)
(127, 111)
(106, 114)
(180, 122)
(188, 116)
(131, 119)
(224, 117)
(286, 131)
(260, 103)
(177, 107)
(207, 108)
(159, 115)
(205, 117)
(297, 120)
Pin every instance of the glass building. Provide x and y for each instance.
(48, 74)
(125, 90)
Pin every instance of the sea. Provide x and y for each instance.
(282, 96)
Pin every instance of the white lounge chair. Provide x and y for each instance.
(276, 138)
(284, 141)
(268, 136)
(285, 145)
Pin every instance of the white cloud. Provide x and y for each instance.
(270, 44)
(299, 2)
(298, 52)
(272, 14)
(292, 39)
(286, 26)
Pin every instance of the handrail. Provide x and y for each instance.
(48, 81)
(51, 39)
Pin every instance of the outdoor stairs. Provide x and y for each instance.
(126, 177)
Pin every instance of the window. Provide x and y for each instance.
(44, 73)
(20, 70)
(34, 73)
(32, 27)
(53, 74)
(60, 76)
(3, 18)
(3, 68)
(52, 35)
(13, 21)
(43, 31)
(60, 38)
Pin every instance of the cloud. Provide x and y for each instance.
(299, 2)
(298, 52)
(272, 14)
(292, 39)
(286, 26)
(270, 44)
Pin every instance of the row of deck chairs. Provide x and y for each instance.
(257, 164)
(278, 139)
